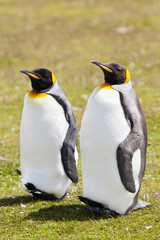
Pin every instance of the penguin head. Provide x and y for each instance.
(41, 78)
(114, 73)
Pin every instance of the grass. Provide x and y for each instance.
(64, 36)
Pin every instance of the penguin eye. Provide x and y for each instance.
(119, 69)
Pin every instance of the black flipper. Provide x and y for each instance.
(125, 153)
(68, 160)
(137, 139)
(69, 144)
(70, 141)
(41, 194)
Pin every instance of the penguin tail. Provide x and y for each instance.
(97, 207)
(140, 204)
(41, 194)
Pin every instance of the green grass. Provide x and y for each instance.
(64, 36)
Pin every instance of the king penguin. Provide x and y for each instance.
(48, 138)
(113, 141)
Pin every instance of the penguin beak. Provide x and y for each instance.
(30, 74)
(96, 63)
(102, 66)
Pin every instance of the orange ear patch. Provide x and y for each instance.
(53, 78)
(128, 76)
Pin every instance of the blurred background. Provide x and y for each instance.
(64, 37)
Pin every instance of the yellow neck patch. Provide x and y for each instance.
(36, 94)
(106, 86)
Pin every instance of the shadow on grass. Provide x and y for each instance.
(56, 212)
(64, 213)
(10, 201)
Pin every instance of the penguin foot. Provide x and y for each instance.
(90, 202)
(18, 170)
(41, 194)
(97, 207)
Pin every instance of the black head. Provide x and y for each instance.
(114, 73)
(41, 78)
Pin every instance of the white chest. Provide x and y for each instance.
(43, 130)
(43, 119)
(104, 124)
